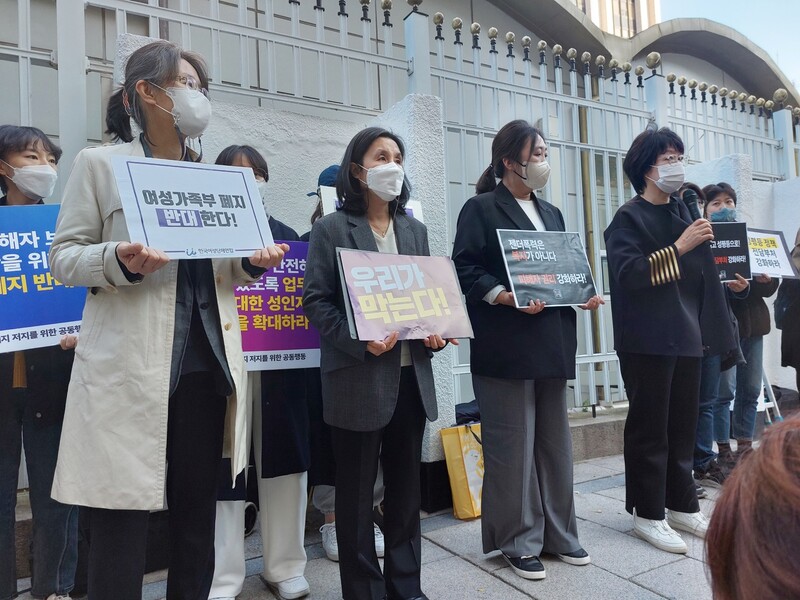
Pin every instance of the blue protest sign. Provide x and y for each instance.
(35, 309)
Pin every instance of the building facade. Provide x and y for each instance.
(297, 78)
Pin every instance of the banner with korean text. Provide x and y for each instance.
(730, 250)
(550, 266)
(275, 332)
(769, 254)
(191, 210)
(35, 309)
(416, 296)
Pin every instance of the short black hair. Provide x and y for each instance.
(644, 152)
(716, 189)
(348, 188)
(254, 157)
(14, 138)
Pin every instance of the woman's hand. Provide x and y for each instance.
(379, 347)
(763, 278)
(593, 303)
(267, 258)
(695, 234)
(739, 285)
(533, 307)
(68, 342)
(140, 259)
(437, 342)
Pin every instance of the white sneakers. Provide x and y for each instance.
(58, 597)
(331, 545)
(296, 587)
(659, 534)
(694, 523)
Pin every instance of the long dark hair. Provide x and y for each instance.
(348, 187)
(157, 62)
(14, 138)
(509, 143)
(254, 157)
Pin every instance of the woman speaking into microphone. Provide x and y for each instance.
(662, 277)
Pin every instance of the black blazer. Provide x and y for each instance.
(359, 390)
(48, 371)
(508, 343)
(284, 411)
(662, 303)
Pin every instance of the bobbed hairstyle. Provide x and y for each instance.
(717, 189)
(751, 544)
(158, 63)
(644, 152)
(348, 187)
(14, 138)
(509, 143)
(254, 157)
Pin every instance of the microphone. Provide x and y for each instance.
(689, 198)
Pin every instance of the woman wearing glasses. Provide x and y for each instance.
(663, 282)
(159, 368)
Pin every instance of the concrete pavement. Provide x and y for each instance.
(454, 567)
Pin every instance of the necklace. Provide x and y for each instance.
(378, 231)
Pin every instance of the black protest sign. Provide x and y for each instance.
(550, 266)
(730, 250)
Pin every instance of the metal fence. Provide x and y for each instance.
(304, 55)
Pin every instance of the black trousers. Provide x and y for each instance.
(117, 538)
(399, 447)
(663, 392)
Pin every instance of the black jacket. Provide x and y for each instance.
(48, 371)
(508, 343)
(663, 303)
(284, 411)
(752, 312)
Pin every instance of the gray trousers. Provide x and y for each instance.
(527, 505)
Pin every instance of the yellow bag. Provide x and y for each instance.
(464, 455)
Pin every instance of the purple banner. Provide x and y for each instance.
(414, 295)
(275, 332)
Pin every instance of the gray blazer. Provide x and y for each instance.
(359, 390)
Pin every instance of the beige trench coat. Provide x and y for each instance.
(114, 439)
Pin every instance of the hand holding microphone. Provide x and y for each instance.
(698, 232)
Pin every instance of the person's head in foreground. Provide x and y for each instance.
(752, 542)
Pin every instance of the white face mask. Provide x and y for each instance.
(670, 177)
(262, 189)
(35, 181)
(386, 180)
(537, 174)
(190, 109)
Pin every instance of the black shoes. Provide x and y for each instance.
(527, 567)
(578, 558)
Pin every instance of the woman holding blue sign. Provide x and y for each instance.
(159, 375)
(520, 360)
(376, 395)
(282, 457)
(33, 392)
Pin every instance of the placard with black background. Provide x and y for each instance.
(550, 266)
(730, 250)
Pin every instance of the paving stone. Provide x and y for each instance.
(685, 579)
(587, 470)
(465, 541)
(603, 511)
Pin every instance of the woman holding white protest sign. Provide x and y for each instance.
(375, 393)
(33, 391)
(520, 360)
(282, 457)
(159, 374)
